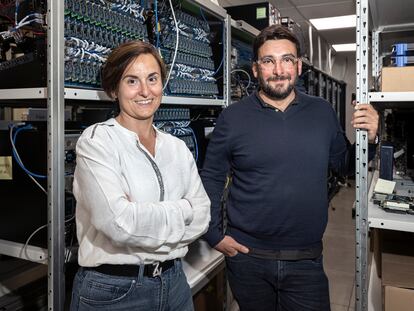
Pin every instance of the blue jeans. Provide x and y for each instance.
(96, 291)
(278, 285)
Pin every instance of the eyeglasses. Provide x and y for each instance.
(286, 62)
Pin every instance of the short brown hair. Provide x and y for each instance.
(274, 32)
(120, 58)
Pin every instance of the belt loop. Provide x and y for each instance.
(141, 274)
(177, 264)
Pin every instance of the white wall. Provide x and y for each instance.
(344, 68)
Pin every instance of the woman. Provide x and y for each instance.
(140, 200)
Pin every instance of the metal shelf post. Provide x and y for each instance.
(227, 64)
(55, 160)
(361, 289)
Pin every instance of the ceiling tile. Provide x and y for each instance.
(341, 36)
(327, 10)
(318, 2)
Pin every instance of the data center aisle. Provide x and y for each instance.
(339, 250)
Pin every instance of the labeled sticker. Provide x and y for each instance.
(6, 168)
(261, 13)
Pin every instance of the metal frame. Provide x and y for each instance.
(361, 203)
(18, 250)
(242, 25)
(391, 96)
(55, 161)
(227, 65)
(96, 95)
(32, 93)
(375, 55)
(207, 4)
(377, 218)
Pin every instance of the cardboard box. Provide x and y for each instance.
(398, 270)
(397, 79)
(391, 242)
(398, 282)
(398, 299)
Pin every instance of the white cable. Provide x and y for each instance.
(176, 45)
(28, 22)
(30, 15)
(26, 244)
(20, 160)
(24, 248)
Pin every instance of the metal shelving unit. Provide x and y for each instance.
(361, 215)
(241, 32)
(374, 15)
(29, 93)
(97, 95)
(245, 27)
(394, 97)
(31, 253)
(378, 218)
(55, 94)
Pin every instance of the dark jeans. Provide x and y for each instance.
(278, 285)
(97, 291)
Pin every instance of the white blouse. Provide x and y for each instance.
(132, 207)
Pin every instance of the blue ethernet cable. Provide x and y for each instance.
(24, 128)
(156, 24)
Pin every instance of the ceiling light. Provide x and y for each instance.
(336, 22)
(344, 47)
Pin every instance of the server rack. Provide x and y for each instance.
(242, 34)
(317, 82)
(56, 94)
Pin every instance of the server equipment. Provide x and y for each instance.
(259, 15)
(243, 82)
(189, 40)
(23, 181)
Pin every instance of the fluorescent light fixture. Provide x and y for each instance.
(344, 47)
(335, 22)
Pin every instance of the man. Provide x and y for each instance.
(277, 145)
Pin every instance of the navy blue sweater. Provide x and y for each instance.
(279, 163)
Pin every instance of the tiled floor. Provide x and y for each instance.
(339, 251)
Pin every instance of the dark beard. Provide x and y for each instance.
(272, 92)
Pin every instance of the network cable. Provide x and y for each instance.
(157, 32)
(17, 156)
(248, 76)
(176, 45)
(26, 244)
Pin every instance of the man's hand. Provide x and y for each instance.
(366, 117)
(229, 247)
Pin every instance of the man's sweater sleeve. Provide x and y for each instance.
(213, 175)
(342, 154)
